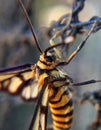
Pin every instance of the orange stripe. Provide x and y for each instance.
(62, 126)
(58, 95)
(65, 99)
(42, 79)
(62, 119)
(63, 111)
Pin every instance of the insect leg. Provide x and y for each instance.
(78, 48)
(53, 43)
(85, 82)
(58, 34)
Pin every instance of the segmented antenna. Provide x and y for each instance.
(52, 46)
(30, 24)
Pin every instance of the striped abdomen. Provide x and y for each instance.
(61, 108)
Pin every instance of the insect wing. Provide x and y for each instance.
(15, 70)
(19, 81)
(44, 109)
(39, 120)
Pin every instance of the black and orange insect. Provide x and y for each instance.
(45, 83)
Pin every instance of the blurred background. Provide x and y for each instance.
(17, 47)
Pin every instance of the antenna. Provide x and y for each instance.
(52, 46)
(30, 24)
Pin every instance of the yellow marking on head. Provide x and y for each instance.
(43, 56)
(44, 64)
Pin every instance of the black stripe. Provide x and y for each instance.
(24, 85)
(65, 105)
(61, 128)
(44, 109)
(55, 93)
(64, 115)
(46, 70)
(20, 87)
(5, 87)
(45, 63)
(64, 93)
(65, 122)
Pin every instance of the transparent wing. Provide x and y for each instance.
(39, 119)
(15, 70)
(19, 81)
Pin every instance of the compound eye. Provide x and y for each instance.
(49, 59)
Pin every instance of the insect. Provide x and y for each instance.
(46, 83)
